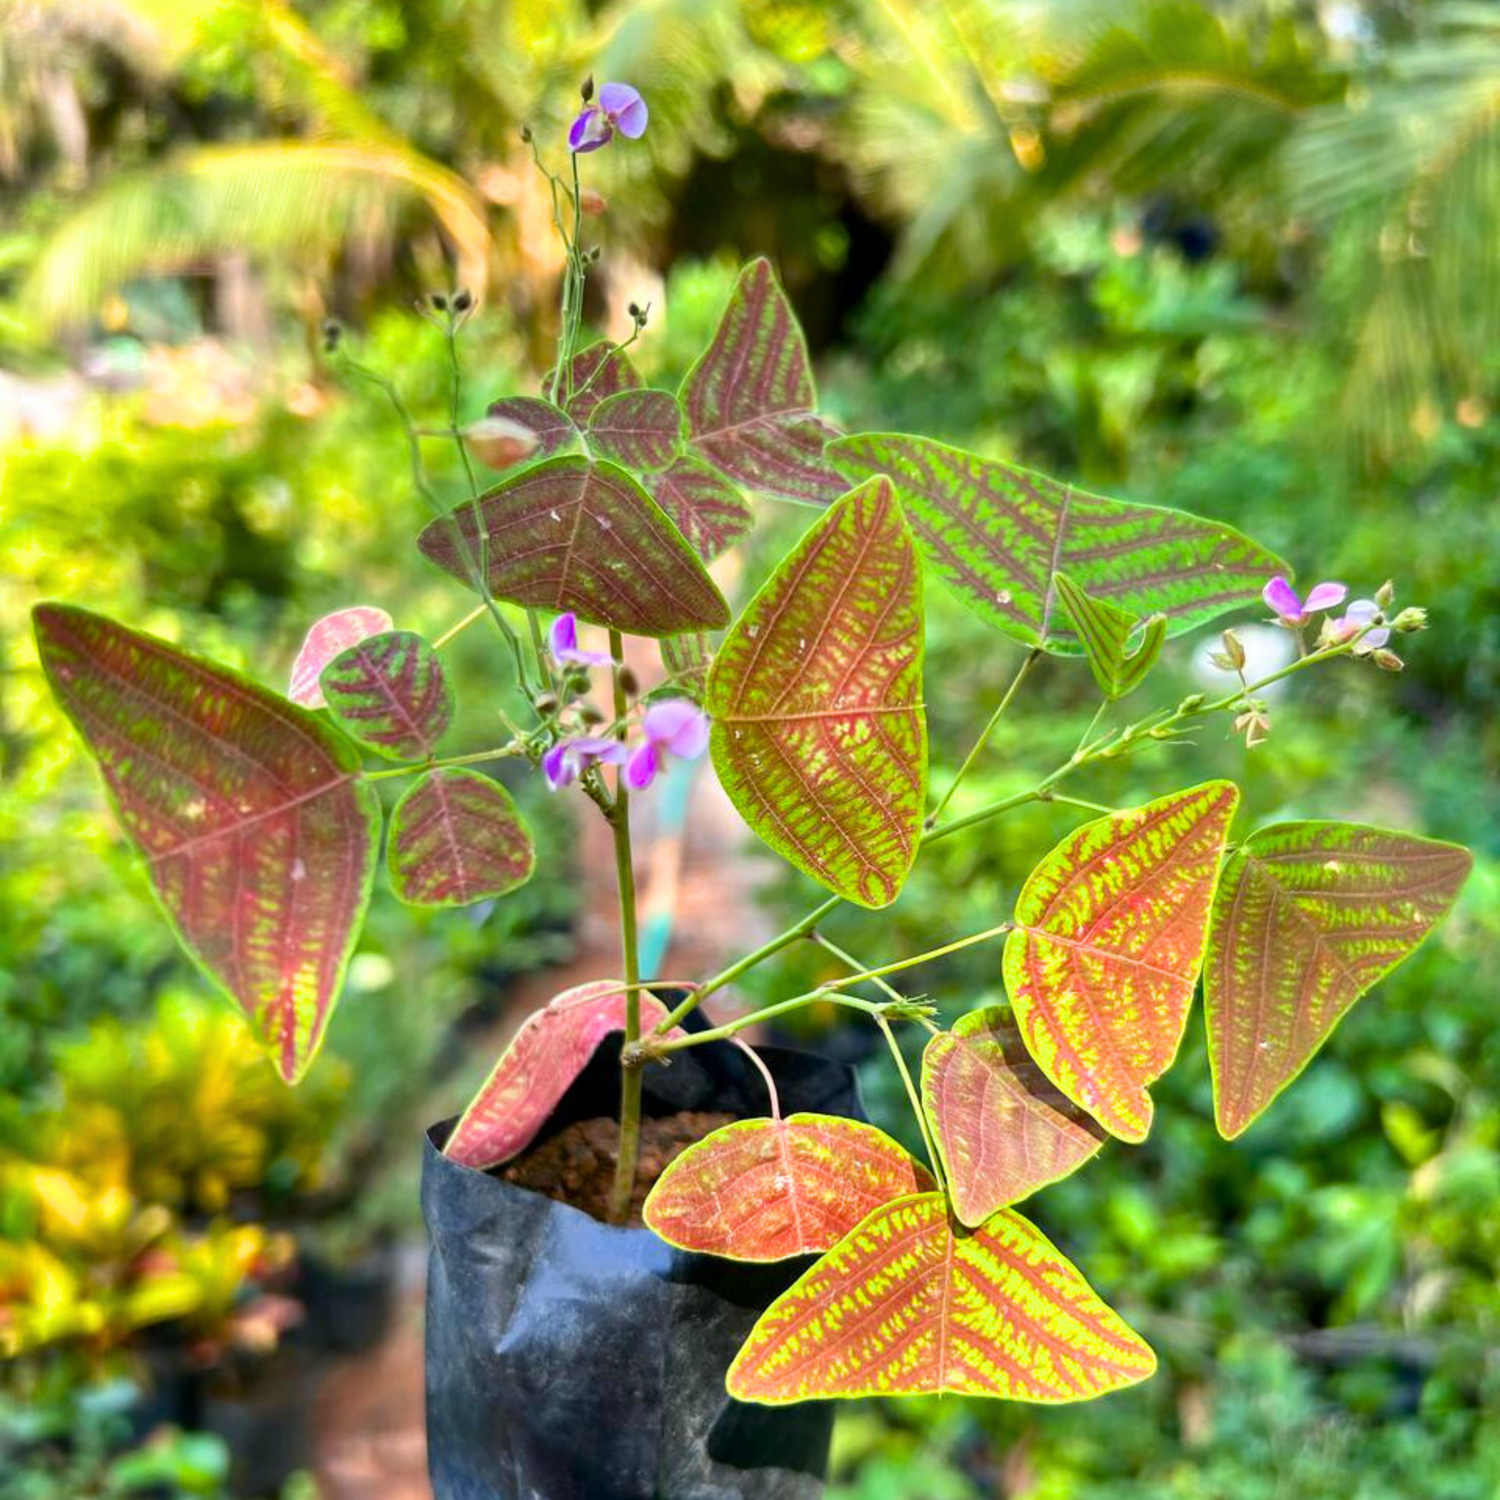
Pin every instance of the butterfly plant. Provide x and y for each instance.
(258, 817)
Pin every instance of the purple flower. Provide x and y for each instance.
(673, 726)
(1354, 619)
(567, 760)
(619, 107)
(562, 641)
(1292, 611)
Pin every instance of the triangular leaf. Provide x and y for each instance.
(766, 1189)
(903, 1306)
(639, 429)
(1002, 1129)
(457, 837)
(552, 427)
(389, 692)
(708, 510)
(750, 400)
(816, 696)
(579, 534)
(1105, 632)
(550, 1050)
(259, 836)
(598, 372)
(997, 536)
(1109, 938)
(329, 637)
(1308, 917)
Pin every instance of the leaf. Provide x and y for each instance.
(1109, 938)
(579, 534)
(1003, 1130)
(1105, 631)
(703, 505)
(554, 428)
(592, 384)
(389, 692)
(767, 1189)
(550, 1050)
(750, 401)
(1309, 916)
(997, 536)
(457, 837)
(639, 429)
(687, 659)
(328, 637)
(903, 1306)
(259, 836)
(818, 732)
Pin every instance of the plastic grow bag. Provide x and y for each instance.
(571, 1360)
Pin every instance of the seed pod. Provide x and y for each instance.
(1233, 649)
(462, 300)
(629, 682)
(1387, 661)
(546, 704)
(589, 714)
(526, 134)
(437, 302)
(587, 91)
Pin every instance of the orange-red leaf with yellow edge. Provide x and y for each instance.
(905, 1306)
(544, 1057)
(767, 1189)
(816, 695)
(1002, 1128)
(1109, 937)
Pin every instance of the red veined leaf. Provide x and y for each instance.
(1105, 633)
(389, 692)
(750, 401)
(550, 1050)
(816, 697)
(329, 637)
(768, 1189)
(639, 429)
(1308, 917)
(687, 659)
(997, 536)
(1109, 938)
(259, 836)
(553, 428)
(903, 1306)
(599, 372)
(1002, 1128)
(457, 837)
(703, 505)
(580, 534)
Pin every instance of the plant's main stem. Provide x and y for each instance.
(630, 1071)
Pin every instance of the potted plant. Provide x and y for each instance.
(791, 1253)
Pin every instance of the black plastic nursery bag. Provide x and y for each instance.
(571, 1360)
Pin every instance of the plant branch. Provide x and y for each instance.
(984, 734)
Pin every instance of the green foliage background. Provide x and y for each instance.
(1238, 259)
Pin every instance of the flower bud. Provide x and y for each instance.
(639, 315)
(463, 300)
(526, 134)
(1409, 620)
(546, 704)
(629, 682)
(587, 91)
(1385, 593)
(589, 714)
(1387, 661)
(499, 442)
(1233, 649)
(332, 333)
(437, 302)
(1188, 704)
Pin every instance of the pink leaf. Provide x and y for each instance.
(639, 429)
(456, 838)
(549, 1051)
(708, 510)
(330, 637)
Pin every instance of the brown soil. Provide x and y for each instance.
(577, 1165)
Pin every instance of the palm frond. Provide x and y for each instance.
(291, 199)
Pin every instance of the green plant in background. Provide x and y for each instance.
(260, 821)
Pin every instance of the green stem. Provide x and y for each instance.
(659, 1046)
(897, 965)
(630, 1070)
(855, 966)
(498, 752)
(984, 734)
(911, 1093)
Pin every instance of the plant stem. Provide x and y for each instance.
(911, 1093)
(458, 628)
(851, 963)
(984, 735)
(630, 1071)
(497, 752)
(660, 1046)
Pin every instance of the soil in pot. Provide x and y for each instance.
(577, 1165)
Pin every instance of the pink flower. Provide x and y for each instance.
(674, 727)
(1354, 619)
(619, 107)
(567, 760)
(562, 641)
(1293, 611)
